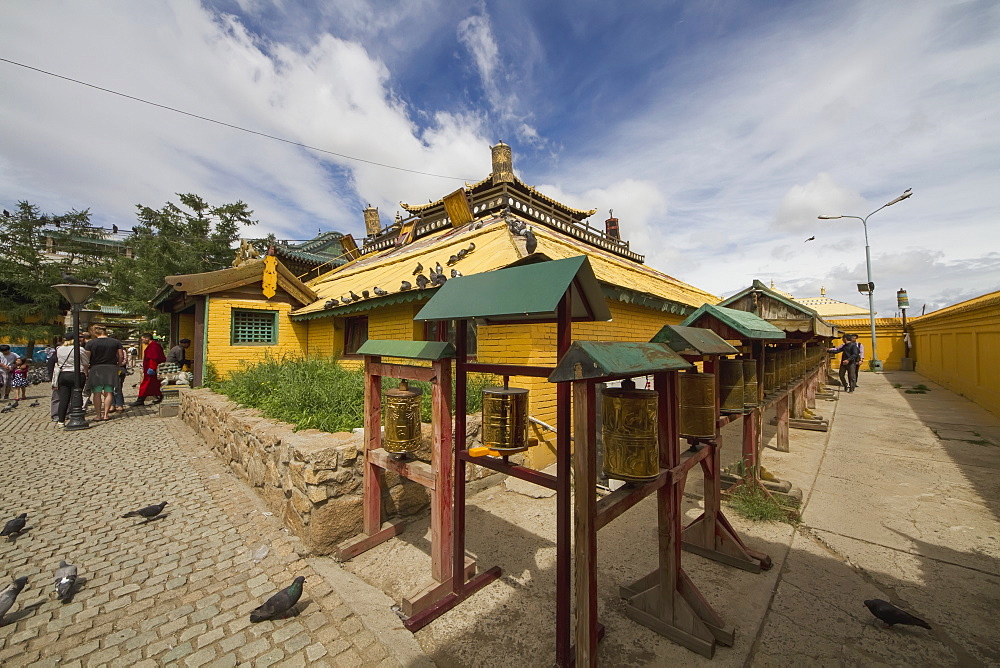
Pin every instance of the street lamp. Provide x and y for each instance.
(876, 364)
(77, 294)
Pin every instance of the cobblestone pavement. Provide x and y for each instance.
(174, 591)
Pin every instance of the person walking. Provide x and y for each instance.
(106, 357)
(152, 357)
(850, 358)
(64, 380)
(7, 360)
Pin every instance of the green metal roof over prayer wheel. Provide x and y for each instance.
(595, 360)
(523, 293)
(414, 350)
(736, 324)
(693, 341)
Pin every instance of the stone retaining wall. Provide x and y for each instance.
(310, 479)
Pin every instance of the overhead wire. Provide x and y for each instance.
(232, 126)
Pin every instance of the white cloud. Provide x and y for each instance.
(334, 94)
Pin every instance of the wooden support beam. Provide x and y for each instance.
(411, 469)
(584, 521)
(409, 372)
(782, 423)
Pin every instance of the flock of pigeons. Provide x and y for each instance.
(278, 606)
(14, 404)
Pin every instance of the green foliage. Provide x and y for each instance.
(752, 503)
(32, 310)
(173, 240)
(318, 393)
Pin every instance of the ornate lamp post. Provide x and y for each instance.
(876, 363)
(77, 294)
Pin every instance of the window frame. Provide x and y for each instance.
(234, 311)
(433, 332)
(350, 324)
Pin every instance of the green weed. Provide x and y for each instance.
(753, 504)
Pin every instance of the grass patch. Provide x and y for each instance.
(753, 504)
(318, 393)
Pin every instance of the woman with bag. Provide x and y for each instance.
(64, 379)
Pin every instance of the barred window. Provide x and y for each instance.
(254, 327)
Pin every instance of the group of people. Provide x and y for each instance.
(852, 353)
(13, 373)
(103, 365)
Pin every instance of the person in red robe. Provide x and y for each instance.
(152, 356)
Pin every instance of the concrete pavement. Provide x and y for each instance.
(903, 505)
(174, 591)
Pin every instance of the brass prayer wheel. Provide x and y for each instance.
(629, 433)
(505, 418)
(770, 370)
(749, 383)
(697, 405)
(730, 386)
(402, 419)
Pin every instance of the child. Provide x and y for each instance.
(19, 379)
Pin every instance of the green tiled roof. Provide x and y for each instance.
(615, 359)
(748, 324)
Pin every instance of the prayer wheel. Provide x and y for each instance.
(505, 419)
(401, 407)
(770, 370)
(629, 433)
(697, 405)
(749, 383)
(730, 386)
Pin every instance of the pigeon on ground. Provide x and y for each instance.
(406, 285)
(14, 404)
(6, 409)
(65, 579)
(418, 269)
(422, 281)
(890, 614)
(34, 403)
(147, 512)
(530, 242)
(8, 595)
(379, 292)
(14, 526)
(279, 604)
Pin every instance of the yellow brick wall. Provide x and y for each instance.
(535, 344)
(960, 349)
(888, 335)
(292, 336)
(323, 338)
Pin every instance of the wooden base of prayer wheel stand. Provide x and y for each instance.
(437, 476)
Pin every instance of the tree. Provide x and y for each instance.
(34, 250)
(173, 240)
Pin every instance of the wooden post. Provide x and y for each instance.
(564, 339)
(782, 423)
(811, 388)
(442, 462)
(584, 524)
(372, 482)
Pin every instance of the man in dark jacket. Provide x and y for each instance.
(850, 359)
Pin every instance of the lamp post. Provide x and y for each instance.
(77, 294)
(876, 364)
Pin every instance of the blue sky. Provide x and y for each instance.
(717, 131)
